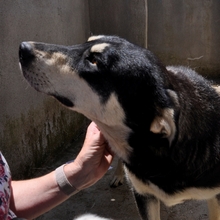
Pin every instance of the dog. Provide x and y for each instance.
(162, 122)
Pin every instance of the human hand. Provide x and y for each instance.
(93, 160)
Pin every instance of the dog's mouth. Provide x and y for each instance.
(64, 101)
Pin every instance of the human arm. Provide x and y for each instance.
(31, 198)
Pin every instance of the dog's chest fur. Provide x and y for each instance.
(170, 199)
(111, 123)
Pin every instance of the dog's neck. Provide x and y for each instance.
(117, 137)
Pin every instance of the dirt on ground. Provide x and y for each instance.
(115, 203)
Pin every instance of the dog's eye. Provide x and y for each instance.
(92, 59)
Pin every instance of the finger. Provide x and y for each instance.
(109, 155)
(93, 128)
(109, 149)
(95, 125)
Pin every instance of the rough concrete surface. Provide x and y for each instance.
(29, 120)
(186, 32)
(116, 203)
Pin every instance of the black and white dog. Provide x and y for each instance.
(163, 122)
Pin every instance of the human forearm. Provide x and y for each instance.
(31, 198)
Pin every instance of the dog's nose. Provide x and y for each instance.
(26, 53)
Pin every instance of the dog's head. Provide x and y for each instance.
(107, 79)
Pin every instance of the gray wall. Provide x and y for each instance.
(186, 32)
(124, 18)
(33, 125)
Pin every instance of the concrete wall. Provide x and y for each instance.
(183, 32)
(124, 18)
(186, 32)
(33, 125)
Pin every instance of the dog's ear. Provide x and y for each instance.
(164, 124)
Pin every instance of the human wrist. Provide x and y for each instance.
(63, 182)
(79, 174)
(75, 174)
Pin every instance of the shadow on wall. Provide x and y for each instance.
(39, 136)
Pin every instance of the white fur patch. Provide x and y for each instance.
(170, 200)
(95, 37)
(58, 62)
(173, 69)
(217, 89)
(90, 217)
(113, 112)
(110, 119)
(164, 124)
(99, 48)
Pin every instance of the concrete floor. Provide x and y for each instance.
(116, 203)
